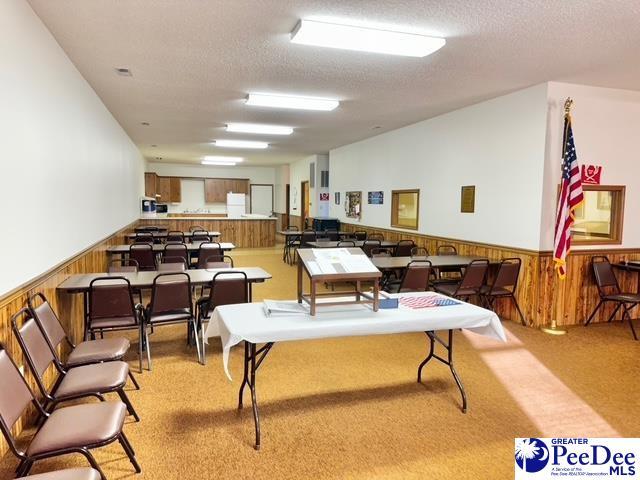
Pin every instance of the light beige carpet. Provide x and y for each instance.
(351, 407)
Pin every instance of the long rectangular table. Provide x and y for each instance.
(162, 234)
(357, 243)
(249, 323)
(437, 261)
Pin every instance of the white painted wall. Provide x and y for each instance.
(300, 172)
(606, 129)
(69, 176)
(193, 189)
(279, 193)
(497, 145)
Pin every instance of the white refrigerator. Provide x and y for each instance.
(236, 205)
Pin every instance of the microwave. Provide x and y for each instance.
(162, 208)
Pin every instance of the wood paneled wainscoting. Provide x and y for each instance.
(243, 233)
(68, 307)
(542, 297)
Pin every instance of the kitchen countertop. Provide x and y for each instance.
(208, 218)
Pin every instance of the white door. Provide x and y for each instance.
(262, 199)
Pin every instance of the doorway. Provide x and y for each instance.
(287, 200)
(304, 203)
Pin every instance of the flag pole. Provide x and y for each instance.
(558, 296)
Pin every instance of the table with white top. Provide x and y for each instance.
(249, 323)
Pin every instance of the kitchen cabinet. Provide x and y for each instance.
(163, 188)
(216, 189)
(150, 179)
(175, 191)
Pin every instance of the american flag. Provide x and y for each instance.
(571, 197)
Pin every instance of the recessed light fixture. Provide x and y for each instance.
(154, 145)
(146, 124)
(124, 72)
(240, 144)
(158, 158)
(348, 37)
(258, 128)
(287, 101)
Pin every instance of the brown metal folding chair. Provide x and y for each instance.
(504, 285)
(79, 382)
(75, 429)
(471, 283)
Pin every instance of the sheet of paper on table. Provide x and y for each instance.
(339, 260)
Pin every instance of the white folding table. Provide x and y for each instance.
(249, 323)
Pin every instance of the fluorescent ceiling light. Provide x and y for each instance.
(215, 158)
(240, 144)
(221, 164)
(257, 128)
(286, 101)
(347, 37)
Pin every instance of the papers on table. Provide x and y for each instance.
(274, 307)
(339, 260)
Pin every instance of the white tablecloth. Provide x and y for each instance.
(247, 321)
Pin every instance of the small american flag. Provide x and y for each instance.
(571, 197)
(426, 301)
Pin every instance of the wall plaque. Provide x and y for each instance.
(468, 199)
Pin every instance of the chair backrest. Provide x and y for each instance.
(369, 245)
(474, 275)
(306, 237)
(120, 265)
(292, 228)
(216, 262)
(207, 250)
(110, 297)
(47, 319)
(173, 264)
(332, 235)
(194, 228)
(143, 254)
(380, 252)
(419, 252)
(375, 236)
(34, 346)
(170, 292)
(175, 253)
(144, 237)
(507, 276)
(15, 396)
(346, 243)
(147, 228)
(416, 276)
(228, 288)
(360, 235)
(403, 248)
(604, 276)
(200, 236)
(446, 250)
(175, 236)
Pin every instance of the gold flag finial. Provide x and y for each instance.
(567, 105)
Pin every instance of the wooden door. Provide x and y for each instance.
(287, 202)
(304, 202)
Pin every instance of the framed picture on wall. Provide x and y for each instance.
(353, 204)
(375, 198)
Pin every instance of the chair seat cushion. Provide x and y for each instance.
(451, 289)
(116, 322)
(624, 297)
(497, 291)
(68, 474)
(79, 426)
(100, 377)
(181, 315)
(95, 351)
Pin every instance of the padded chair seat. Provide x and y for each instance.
(68, 474)
(450, 290)
(100, 377)
(94, 351)
(79, 426)
(175, 316)
(117, 322)
(497, 291)
(624, 297)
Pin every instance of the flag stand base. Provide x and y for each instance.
(553, 329)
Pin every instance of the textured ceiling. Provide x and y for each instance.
(193, 62)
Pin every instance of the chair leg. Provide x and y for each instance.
(202, 339)
(140, 341)
(127, 402)
(594, 313)
(133, 380)
(92, 462)
(146, 338)
(126, 446)
(515, 302)
(612, 316)
(195, 336)
(24, 468)
(626, 314)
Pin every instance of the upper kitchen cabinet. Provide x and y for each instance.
(150, 180)
(163, 188)
(175, 193)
